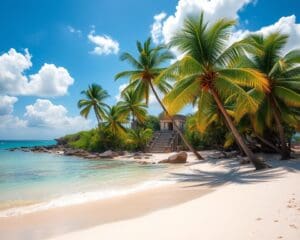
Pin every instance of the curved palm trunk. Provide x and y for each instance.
(174, 124)
(256, 162)
(98, 118)
(285, 152)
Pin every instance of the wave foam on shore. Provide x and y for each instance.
(82, 197)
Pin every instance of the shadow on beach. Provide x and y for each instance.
(233, 172)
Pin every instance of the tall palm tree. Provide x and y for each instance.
(283, 74)
(94, 99)
(132, 105)
(147, 66)
(205, 75)
(114, 121)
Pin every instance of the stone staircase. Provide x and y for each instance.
(163, 141)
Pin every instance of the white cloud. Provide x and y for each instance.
(12, 67)
(10, 123)
(156, 28)
(43, 113)
(213, 9)
(42, 120)
(216, 9)
(74, 30)
(286, 25)
(49, 81)
(105, 45)
(121, 88)
(7, 104)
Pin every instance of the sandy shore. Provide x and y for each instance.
(54, 222)
(245, 205)
(214, 199)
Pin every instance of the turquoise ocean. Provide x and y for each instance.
(38, 181)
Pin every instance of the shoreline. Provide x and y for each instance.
(138, 156)
(254, 205)
(58, 221)
(196, 181)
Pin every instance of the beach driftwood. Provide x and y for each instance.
(180, 157)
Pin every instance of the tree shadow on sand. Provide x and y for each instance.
(234, 173)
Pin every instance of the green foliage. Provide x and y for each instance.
(212, 138)
(152, 122)
(94, 99)
(139, 138)
(132, 105)
(95, 140)
(146, 66)
(114, 120)
(83, 140)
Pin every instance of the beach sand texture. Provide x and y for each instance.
(251, 205)
(214, 199)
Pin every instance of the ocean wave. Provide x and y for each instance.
(82, 197)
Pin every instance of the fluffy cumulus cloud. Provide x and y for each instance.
(104, 45)
(50, 80)
(156, 28)
(42, 119)
(286, 25)
(213, 9)
(164, 27)
(43, 113)
(7, 104)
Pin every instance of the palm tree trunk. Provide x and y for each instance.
(97, 116)
(256, 162)
(285, 153)
(174, 124)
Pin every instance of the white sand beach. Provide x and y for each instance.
(212, 199)
(244, 205)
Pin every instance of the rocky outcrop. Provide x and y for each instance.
(180, 157)
(108, 154)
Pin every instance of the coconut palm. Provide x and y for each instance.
(205, 75)
(114, 121)
(132, 105)
(283, 74)
(142, 79)
(139, 137)
(94, 99)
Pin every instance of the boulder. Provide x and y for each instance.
(180, 157)
(108, 154)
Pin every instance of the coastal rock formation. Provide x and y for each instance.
(180, 157)
(108, 154)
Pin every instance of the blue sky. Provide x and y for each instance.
(61, 34)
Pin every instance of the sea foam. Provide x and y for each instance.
(82, 197)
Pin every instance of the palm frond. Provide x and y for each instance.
(290, 97)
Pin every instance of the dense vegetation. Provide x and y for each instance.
(103, 138)
(247, 94)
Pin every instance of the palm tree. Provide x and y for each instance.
(205, 75)
(132, 105)
(143, 78)
(140, 137)
(283, 74)
(114, 121)
(95, 96)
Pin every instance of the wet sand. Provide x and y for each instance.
(54, 222)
